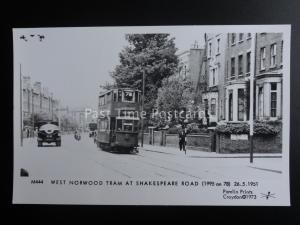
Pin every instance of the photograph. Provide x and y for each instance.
(152, 115)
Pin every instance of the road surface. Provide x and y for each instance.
(82, 159)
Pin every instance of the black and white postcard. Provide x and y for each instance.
(152, 115)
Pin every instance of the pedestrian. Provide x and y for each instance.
(182, 139)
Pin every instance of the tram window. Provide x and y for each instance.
(108, 97)
(119, 95)
(101, 100)
(136, 126)
(103, 125)
(128, 125)
(136, 96)
(119, 125)
(128, 96)
(113, 123)
(115, 96)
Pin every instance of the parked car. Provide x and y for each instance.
(49, 133)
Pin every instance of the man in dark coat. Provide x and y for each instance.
(182, 139)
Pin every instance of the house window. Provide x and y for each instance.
(213, 78)
(248, 35)
(262, 58)
(241, 104)
(248, 62)
(230, 108)
(232, 66)
(273, 99)
(260, 102)
(209, 49)
(206, 107)
(273, 54)
(213, 106)
(218, 45)
(240, 64)
(233, 39)
(241, 36)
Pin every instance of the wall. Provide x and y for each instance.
(261, 144)
(202, 142)
(195, 142)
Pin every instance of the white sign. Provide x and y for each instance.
(236, 137)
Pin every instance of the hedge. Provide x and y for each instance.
(260, 128)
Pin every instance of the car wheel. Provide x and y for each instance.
(58, 144)
(40, 144)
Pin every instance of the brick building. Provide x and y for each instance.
(190, 63)
(213, 97)
(227, 63)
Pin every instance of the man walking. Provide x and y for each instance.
(182, 139)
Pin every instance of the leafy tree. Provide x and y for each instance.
(175, 95)
(152, 54)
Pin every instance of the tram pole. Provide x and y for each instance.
(21, 106)
(252, 74)
(143, 99)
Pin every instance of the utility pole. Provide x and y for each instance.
(21, 106)
(252, 77)
(143, 99)
(32, 110)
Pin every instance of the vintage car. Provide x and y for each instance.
(49, 133)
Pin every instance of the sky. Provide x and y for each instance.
(73, 62)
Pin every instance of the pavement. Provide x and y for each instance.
(266, 165)
(204, 154)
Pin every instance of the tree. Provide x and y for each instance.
(175, 95)
(152, 54)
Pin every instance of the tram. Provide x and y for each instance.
(119, 120)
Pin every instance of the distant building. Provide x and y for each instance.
(37, 101)
(190, 63)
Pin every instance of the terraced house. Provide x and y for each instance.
(237, 76)
(213, 97)
(229, 62)
(268, 76)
